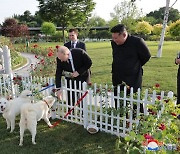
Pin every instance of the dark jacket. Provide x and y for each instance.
(128, 60)
(78, 45)
(82, 63)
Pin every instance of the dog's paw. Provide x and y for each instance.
(50, 126)
(20, 144)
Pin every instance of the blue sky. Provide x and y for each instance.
(103, 7)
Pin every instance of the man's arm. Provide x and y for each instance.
(58, 74)
(144, 53)
(87, 62)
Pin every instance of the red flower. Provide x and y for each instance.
(98, 90)
(157, 85)
(162, 127)
(14, 78)
(57, 46)
(35, 45)
(36, 56)
(166, 100)
(45, 85)
(147, 136)
(19, 78)
(173, 114)
(152, 112)
(50, 54)
(159, 97)
(89, 84)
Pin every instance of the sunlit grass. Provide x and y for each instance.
(158, 70)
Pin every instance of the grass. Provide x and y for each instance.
(66, 138)
(157, 70)
(22, 63)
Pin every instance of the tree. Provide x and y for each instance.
(9, 27)
(48, 28)
(174, 28)
(158, 15)
(66, 12)
(157, 29)
(126, 13)
(30, 20)
(143, 28)
(96, 21)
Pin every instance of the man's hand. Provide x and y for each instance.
(177, 61)
(59, 94)
(75, 74)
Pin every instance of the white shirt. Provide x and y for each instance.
(72, 63)
(74, 43)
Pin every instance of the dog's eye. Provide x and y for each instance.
(4, 102)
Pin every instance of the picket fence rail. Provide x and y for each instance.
(97, 108)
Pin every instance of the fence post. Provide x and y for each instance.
(2, 61)
(7, 66)
(85, 106)
(7, 60)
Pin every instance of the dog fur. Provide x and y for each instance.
(11, 108)
(31, 113)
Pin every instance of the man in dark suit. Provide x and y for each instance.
(74, 42)
(130, 53)
(75, 64)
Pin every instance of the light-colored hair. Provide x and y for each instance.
(64, 50)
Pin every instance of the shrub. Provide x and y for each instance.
(174, 28)
(157, 29)
(143, 28)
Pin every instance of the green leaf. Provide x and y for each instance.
(127, 138)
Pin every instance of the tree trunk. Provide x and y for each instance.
(166, 14)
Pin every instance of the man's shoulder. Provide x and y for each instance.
(67, 43)
(81, 43)
(135, 39)
(77, 50)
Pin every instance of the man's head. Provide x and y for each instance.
(73, 34)
(119, 34)
(63, 53)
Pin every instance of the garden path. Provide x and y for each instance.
(24, 70)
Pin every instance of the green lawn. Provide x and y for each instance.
(66, 138)
(158, 70)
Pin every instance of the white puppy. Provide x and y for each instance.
(31, 113)
(11, 108)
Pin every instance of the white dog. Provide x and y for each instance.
(31, 113)
(11, 108)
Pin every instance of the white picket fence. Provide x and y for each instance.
(98, 105)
